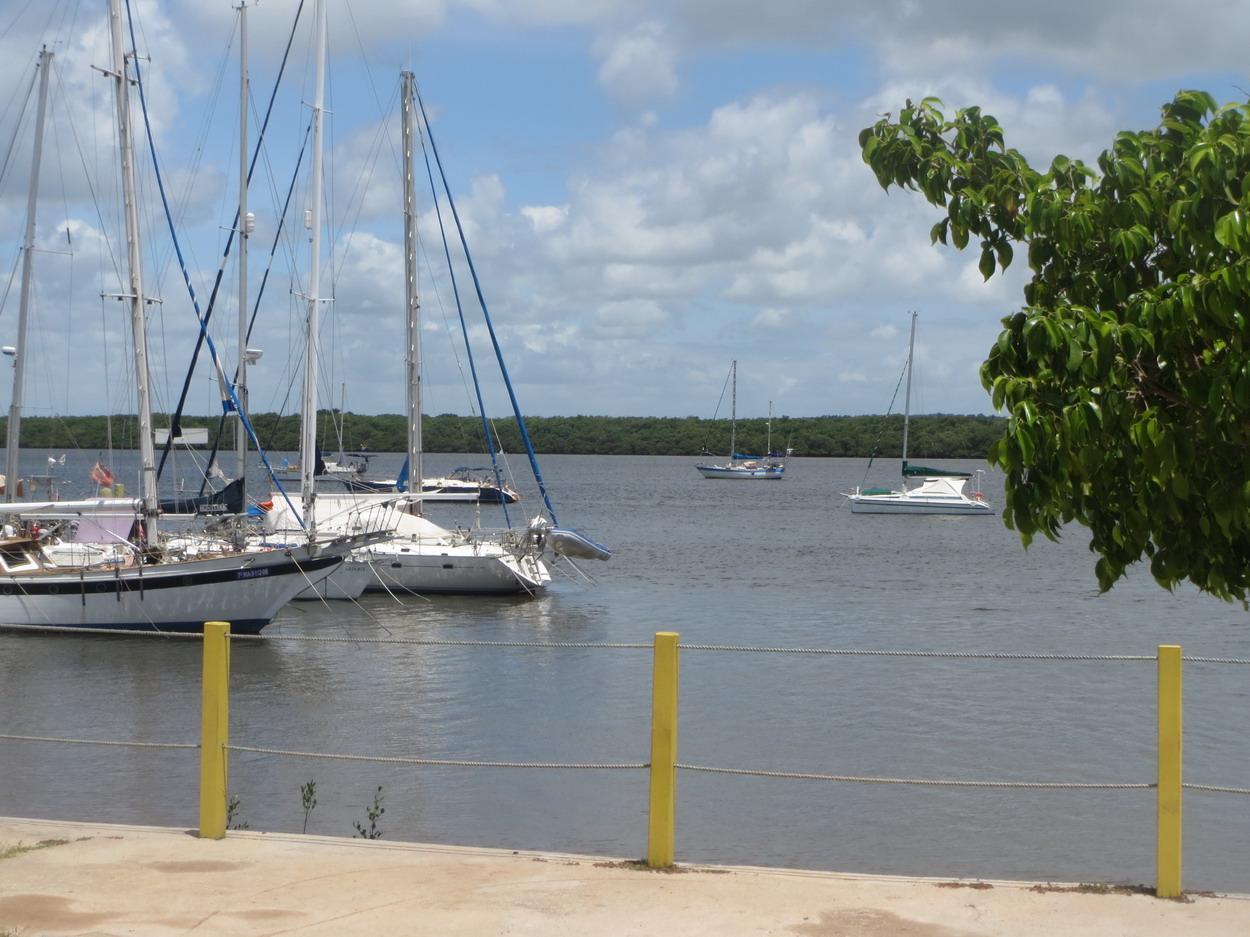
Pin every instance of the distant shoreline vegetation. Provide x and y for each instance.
(936, 436)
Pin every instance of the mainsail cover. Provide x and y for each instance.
(924, 471)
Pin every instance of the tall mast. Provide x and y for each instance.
(733, 414)
(308, 440)
(19, 359)
(138, 322)
(911, 352)
(412, 306)
(240, 429)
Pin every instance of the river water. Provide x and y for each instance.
(742, 565)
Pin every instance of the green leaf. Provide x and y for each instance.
(986, 266)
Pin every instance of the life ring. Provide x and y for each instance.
(978, 496)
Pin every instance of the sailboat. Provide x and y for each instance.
(745, 467)
(149, 587)
(420, 556)
(460, 485)
(941, 491)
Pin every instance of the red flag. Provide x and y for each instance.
(101, 476)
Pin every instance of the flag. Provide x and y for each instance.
(101, 476)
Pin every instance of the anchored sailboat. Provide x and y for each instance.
(745, 467)
(941, 491)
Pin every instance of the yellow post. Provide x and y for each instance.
(1168, 854)
(660, 829)
(214, 729)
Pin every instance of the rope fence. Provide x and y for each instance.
(663, 765)
(635, 766)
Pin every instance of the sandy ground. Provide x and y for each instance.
(96, 880)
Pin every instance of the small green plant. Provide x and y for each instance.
(308, 792)
(8, 852)
(232, 807)
(373, 812)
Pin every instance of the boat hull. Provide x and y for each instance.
(461, 569)
(891, 504)
(469, 492)
(246, 591)
(347, 582)
(738, 473)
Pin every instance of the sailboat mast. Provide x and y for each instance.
(911, 353)
(240, 429)
(19, 359)
(138, 321)
(413, 307)
(733, 413)
(308, 435)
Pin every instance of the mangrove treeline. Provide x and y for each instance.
(939, 436)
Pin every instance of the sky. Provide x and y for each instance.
(649, 189)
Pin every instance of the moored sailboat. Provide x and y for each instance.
(941, 491)
(145, 585)
(419, 556)
(741, 467)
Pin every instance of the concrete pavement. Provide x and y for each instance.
(98, 880)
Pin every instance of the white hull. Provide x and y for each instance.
(465, 569)
(469, 490)
(347, 582)
(901, 504)
(742, 473)
(246, 590)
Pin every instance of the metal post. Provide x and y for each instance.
(11, 469)
(1169, 827)
(214, 729)
(660, 832)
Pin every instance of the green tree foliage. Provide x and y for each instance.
(1125, 377)
(932, 437)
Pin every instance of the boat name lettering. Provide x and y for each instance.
(251, 573)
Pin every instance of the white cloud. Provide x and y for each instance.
(637, 66)
(655, 188)
(545, 218)
(636, 319)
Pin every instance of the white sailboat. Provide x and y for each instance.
(740, 467)
(420, 556)
(149, 588)
(941, 491)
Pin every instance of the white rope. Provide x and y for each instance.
(426, 761)
(40, 738)
(932, 783)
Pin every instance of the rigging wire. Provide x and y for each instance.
(176, 416)
(234, 400)
(876, 446)
(516, 409)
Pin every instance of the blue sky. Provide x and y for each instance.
(651, 189)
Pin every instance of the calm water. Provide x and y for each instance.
(775, 564)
